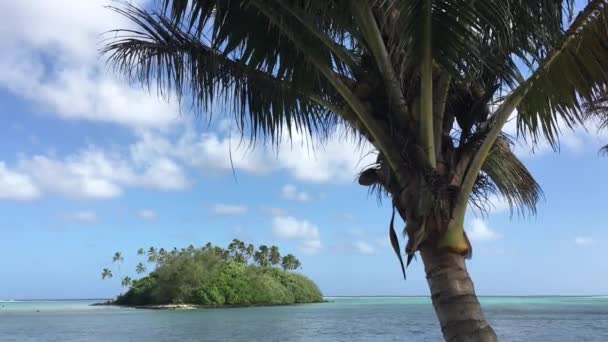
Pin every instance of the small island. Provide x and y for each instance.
(211, 276)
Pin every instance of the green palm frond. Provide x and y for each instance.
(576, 72)
(511, 179)
(266, 90)
(464, 32)
(596, 112)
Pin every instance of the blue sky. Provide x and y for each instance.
(90, 166)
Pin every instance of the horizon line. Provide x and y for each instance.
(335, 296)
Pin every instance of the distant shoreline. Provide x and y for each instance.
(196, 307)
(328, 296)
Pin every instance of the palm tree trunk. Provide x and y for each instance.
(454, 298)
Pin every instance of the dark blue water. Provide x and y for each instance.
(346, 319)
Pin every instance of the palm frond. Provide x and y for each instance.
(456, 30)
(596, 112)
(165, 55)
(510, 179)
(576, 72)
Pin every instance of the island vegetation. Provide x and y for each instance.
(211, 276)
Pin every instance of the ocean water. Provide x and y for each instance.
(551, 319)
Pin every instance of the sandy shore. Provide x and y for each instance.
(192, 306)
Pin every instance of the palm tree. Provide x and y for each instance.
(152, 255)
(236, 249)
(162, 255)
(249, 251)
(106, 273)
(126, 282)
(290, 263)
(429, 84)
(275, 256)
(208, 246)
(140, 268)
(141, 251)
(118, 258)
(261, 257)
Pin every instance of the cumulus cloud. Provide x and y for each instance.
(290, 192)
(148, 215)
(583, 241)
(479, 231)
(93, 173)
(334, 161)
(228, 210)
(16, 186)
(207, 152)
(52, 59)
(290, 228)
(571, 140)
(80, 217)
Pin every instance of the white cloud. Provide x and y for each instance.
(93, 173)
(228, 210)
(364, 248)
(479, 231)
(80, 217)
(148, 215)
(88, 174)
(52, 59)
(583, 241)
(290, 192)
(290, 228)
(165, 175)
(16, 186)
(336, 161)
(571, 140)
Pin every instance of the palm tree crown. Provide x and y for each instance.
(429, 86)
(140, 268)
(106, 274)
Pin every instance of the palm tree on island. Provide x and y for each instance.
(152, 255)
(428, 84)
(290, 263)
(261, 257)
(118, 258)
(140, 268)
(274, 257)
(106, 273)
(126, 281)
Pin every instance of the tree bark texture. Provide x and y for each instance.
(454, 298)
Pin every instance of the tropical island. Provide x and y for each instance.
(211, 276)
